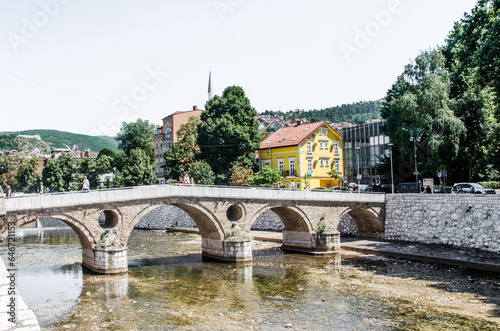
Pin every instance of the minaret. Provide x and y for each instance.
(210, 93)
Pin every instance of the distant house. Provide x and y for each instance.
(304, 153)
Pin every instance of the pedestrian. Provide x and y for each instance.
(192, 180)
(180, 180)
(8, 191)
(86, 184)
(428, 189)
(292, 186)
(186, 178)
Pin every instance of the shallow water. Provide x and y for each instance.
(168, 286)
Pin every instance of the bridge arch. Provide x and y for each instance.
(366, 221)
(87, 238)
(205, 220)
(293, 218)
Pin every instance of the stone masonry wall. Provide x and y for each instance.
(169, 216)
(460, 220)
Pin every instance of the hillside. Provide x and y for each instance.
(61, 139)
(27, 145)
(354, 113)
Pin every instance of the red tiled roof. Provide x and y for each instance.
(292, 135)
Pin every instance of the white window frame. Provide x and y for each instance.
(291, 167)
(336, 148)
(336, 165)
(309, 147)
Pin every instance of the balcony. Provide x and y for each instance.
(288, 173)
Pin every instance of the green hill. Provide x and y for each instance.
(61, 139)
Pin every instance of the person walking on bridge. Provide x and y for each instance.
(86, 184)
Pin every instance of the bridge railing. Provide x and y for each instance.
(56, 200)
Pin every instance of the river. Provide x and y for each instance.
(169, 287)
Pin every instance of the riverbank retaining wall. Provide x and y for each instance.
(459, 220)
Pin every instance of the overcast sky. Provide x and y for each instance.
(87, 66)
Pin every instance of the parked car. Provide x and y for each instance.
(471, 188)
(410, 187)
(386, 188)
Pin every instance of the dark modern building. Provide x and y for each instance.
(367, 143)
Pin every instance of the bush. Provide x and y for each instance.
(493, 185)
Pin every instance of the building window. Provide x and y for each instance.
(309, 147)
(322, 163)
(336, 148)
(336, 165)
(327, 163)
(281, 168)
(326, 145)
(321, 145)
(291, 167)
(310, 166)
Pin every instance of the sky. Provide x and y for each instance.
(88, 66)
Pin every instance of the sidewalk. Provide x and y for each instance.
(442, 254)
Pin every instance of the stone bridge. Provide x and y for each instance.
(223, 215)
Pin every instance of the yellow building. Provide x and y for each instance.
(304, 153)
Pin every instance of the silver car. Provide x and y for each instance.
(472, 188)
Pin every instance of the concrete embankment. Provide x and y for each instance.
(12, 305)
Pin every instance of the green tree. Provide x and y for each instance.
(265, 177)
(88, 167)
(108, 152)
(8, 171)
(68, 167)
(173, 166)
(135, 135)
(182, 154)
(52, 176)
(202, 173)
(139, 170)
(419, 102)
(472, 51)
(28, 179)
(228, 132)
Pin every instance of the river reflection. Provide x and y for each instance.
(168, 286)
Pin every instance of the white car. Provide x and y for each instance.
(471, 188)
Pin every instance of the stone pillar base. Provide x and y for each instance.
(227, 251)
(328, 241)
(312, 243)
(105, 261)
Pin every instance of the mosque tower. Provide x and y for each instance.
(210, 93)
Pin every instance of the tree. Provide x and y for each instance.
(182, 154)
(418, 103)
(472, 51)
(139, 170)
(108, 152)
(335, 174)
(240, 175)
(8, 171)
(228, 132)
(88, 167)
(265, 177)
(52, 176)
(202, 173)
(28, 179)
(135, 135)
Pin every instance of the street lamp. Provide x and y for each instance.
(415, 137)
(359, 175)
(392, 172)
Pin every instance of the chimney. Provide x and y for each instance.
(195, 107)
